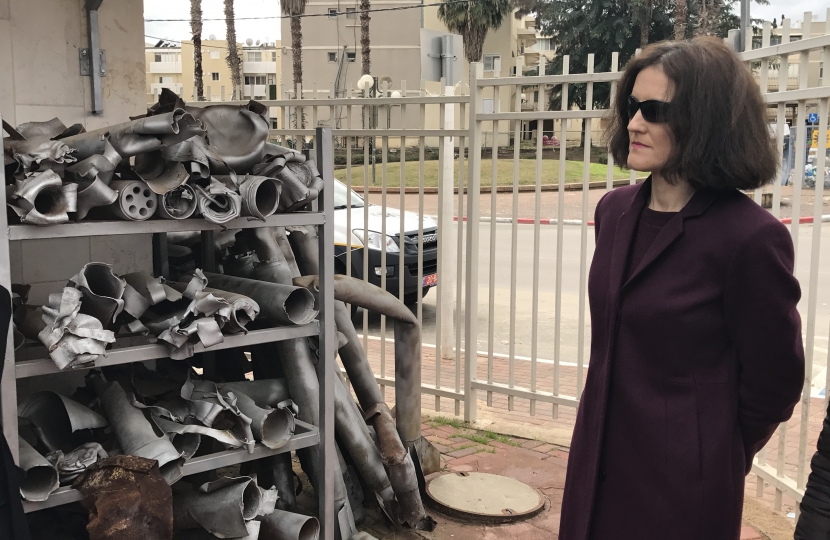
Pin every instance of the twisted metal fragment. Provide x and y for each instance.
(55, 418)
(42, 199)
(40, 477)
(179, 203)
(71, 337)
(218, 203)
(32, 154)
(72, 464)
(134, 432)
(221, 507)
(137, 136)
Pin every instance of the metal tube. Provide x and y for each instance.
(221, 507)
(283, 303)
(560, 231)
(41, 477)
(281, 525)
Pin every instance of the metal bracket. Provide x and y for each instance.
(83, 57)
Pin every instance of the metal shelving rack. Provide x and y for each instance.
(306, 436)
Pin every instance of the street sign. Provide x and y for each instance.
(812, 118)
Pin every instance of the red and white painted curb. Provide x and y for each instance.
(578, 222)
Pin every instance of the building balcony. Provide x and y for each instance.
(259, 67)
(530, 57)
(255, 90)
(165, 67)
(155, 88)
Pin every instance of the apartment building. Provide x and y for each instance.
(163, 61)
(171, 65)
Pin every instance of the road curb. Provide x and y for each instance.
(578, 222)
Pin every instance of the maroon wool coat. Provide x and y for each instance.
(694, 362)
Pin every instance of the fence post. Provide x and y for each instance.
(473, 199)
(449, 263)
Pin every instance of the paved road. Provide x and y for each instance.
(569, 332)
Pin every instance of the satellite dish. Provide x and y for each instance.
(212, 37)
(249, 42)
(385, 83)
(367, 81)
(257, 43)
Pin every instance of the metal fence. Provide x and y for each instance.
(508, 327)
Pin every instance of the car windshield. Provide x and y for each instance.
(341, 194)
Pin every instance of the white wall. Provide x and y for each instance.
(39, 80)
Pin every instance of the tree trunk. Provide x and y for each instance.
(196, 29)
(297, 59)
(680, 8)
(645, 26)
(234, 62)
(365, 44)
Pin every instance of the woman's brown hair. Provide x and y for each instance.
(717, 117)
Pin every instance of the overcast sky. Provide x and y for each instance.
(268, 27)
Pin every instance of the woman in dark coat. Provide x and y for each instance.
(696, 352)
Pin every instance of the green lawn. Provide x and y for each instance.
(527, 173)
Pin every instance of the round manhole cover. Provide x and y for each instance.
(485, 497)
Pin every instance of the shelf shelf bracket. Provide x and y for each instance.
(94, 57)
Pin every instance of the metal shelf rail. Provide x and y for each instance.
(307, 435)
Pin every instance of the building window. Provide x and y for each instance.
(214, 76)
(332, 13)
(157, 57)
(214, 55)
(351, 57)
(161, 80)
(490, 61)
(254, 79)
(272, 79)
(273, 56)
(351, 13)
(254, 57)
(542, 44)
(274, 123)
(332, 57)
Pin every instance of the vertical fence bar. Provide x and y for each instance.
(402, 202)
(473, 200)
(443, 236)
(783, 77)
(801, 143)
(514, 232)
(459, 320)
(537, 246)
(383, 260)
(494, 184)
(349, 194)
(328, 338)
(812, 295)
(422, 123)
(609, 180)
(583, 251)
(368, 143)
(826, 82)
(560, 231)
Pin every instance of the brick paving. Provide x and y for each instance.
(520, 421)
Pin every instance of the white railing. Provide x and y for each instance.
(508, 327)
(775, 465)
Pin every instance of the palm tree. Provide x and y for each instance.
(233, 60)
(709, 13)
(473, 20)
(644, 10)
(295, 9)
(196, 29)
(680, 9)
(366, 50)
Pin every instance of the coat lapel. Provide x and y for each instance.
(673, 230)
(623, 236)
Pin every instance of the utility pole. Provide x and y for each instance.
(746, 26)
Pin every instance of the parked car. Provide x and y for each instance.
(395, 244)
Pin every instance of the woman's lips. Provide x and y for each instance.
(638, 145)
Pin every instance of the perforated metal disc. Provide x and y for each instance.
(484, 497)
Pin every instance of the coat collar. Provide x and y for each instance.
(627, 225)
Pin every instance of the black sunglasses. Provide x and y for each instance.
(653, 111)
